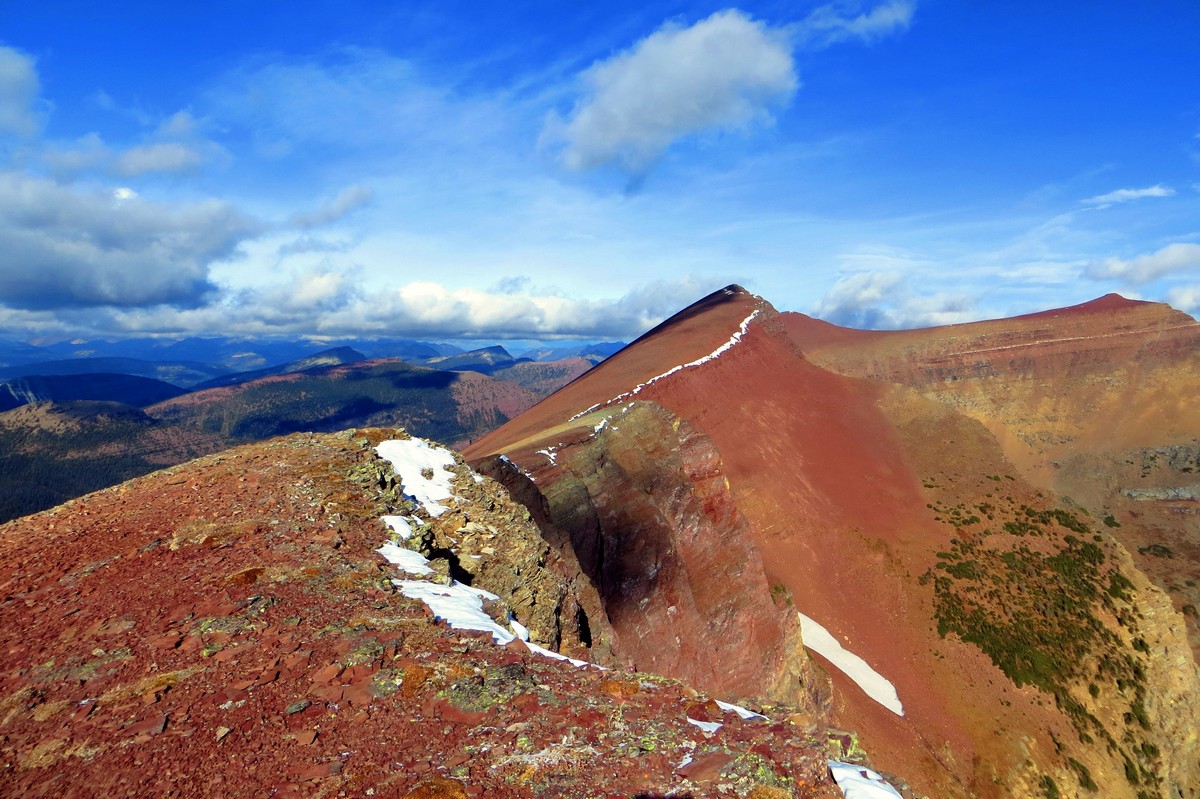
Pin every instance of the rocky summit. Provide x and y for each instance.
(229, 628)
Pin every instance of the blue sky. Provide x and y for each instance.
(582, 170)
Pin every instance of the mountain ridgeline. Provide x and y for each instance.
(998, 518)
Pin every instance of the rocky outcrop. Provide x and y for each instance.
(488, 540)
(650, 516)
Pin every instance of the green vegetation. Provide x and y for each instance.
(1157, 551)
(82, 447)
(326, 400)
(1085, 777)
(781, 595)
(1043, 611)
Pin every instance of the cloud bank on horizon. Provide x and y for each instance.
(539, 171)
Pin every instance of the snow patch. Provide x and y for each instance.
(550, 454)
(400, 526)
(412, 455)
(859, 782)
(874, 684)
(406, 559)
(520, 629)
(708, 726)
(734, 339)
(460, 606)
(741, 711)
(556, 656)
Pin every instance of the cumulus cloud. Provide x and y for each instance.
(348, 200)
(161, 157)
(1185, 298)
(1177, 257)
(431, 309)
(722, 73)
(85, 153)
(842, 21)
(514, 284)
(65, 247)
(1127, 195)
(330, 303)
(309, 244)
(19, 88)
(884, 301)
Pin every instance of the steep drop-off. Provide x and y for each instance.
(862, 501)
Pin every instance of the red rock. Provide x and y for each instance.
(327, 693)
(327, 674)
(357, 694)
(152, 725)
(705, 711)
(438, 788)
(320, 771)
(707, 767)
(446, 711)
(268, 676)
(247, 576)
(306, 737)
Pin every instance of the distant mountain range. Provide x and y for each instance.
(191, 361)
(69, 426)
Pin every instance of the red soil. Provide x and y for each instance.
(225, 628)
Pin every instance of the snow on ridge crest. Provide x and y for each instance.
(410, 457)
(734, 339)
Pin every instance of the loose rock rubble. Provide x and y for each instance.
(226, 628)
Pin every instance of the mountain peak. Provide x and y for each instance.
(1106, 304)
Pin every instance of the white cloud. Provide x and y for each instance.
(1128, 195)
(179, 125)
(85, 153)
(1177, 257)
(839, 22)
(1185, 298)
(19, 88)
(161, 157)
(66, 247)
(722, 73)
(308, 244)
(884, 301)
(346, 202)
(326, 302)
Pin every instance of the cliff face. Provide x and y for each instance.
(686, 593)
(907, 523)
